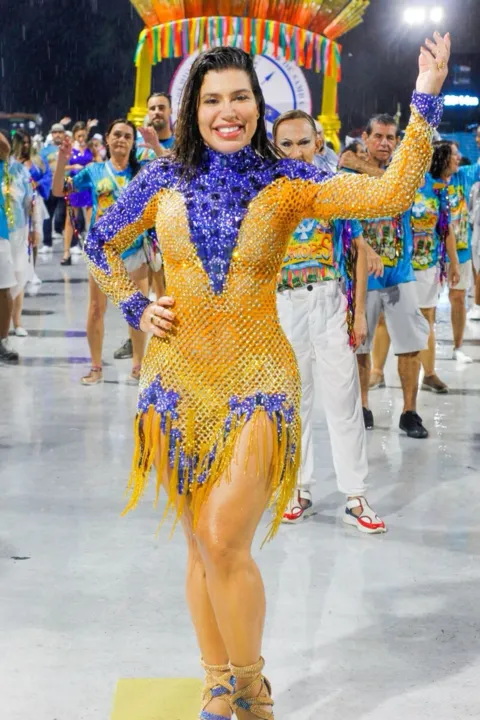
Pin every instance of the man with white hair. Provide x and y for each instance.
(325, 158)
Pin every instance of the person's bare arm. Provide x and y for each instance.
(454, 266)
(351, 161)
(62, 160)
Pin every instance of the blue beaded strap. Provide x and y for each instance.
(204, 715)
(429, 106)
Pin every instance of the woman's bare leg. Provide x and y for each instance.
(68, 233)
(88, 217)
(97, 305)
(209, 640)
(224, 587)
(157, 282)
(139, 338)
(226, 527)
(458, 316)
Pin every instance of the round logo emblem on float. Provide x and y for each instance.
(283, 84)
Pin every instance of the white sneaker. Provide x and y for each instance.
(296, 510)
(31, 290)
(461, 357)
(36, 280)
(20, 332)
(474, 313)
(367, 521)
(45, 249)
(76, 250)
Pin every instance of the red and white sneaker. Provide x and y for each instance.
(367, 521)
(299, 507)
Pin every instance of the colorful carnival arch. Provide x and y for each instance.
(304, 31)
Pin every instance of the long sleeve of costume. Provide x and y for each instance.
(134, 212)
(44, 180)
(362, 197)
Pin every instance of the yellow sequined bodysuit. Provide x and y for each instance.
(223, 235)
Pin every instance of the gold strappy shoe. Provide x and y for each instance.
(261, 705)
(218, 684)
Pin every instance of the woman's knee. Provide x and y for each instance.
(221, 550)
(96, 310)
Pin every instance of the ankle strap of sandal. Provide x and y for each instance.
(218, 681)
(249, 671)
(259, 705)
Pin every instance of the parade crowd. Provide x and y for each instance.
(347, 290)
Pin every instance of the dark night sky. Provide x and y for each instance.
(75, 56)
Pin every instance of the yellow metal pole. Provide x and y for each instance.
(143, 86)
(329, 116)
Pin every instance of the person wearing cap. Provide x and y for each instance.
(54, 205)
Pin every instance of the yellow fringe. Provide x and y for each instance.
(149, 438)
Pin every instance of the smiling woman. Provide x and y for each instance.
(219, 393)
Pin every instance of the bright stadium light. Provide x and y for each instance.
(437, 14)
(420, 15)
(414, 15)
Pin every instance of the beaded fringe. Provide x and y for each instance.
(148, 434)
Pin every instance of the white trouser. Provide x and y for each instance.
(314, 321)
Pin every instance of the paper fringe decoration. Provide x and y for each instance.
(180, 38)
(330, 18)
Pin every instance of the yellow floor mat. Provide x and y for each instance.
(157, 699)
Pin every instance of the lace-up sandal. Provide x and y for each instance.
(94, 377)
(218, 684)
(260, 705)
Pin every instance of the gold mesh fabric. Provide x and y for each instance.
(231, 344)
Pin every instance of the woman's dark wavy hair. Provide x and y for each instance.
(79, 125)
(18, 139)
(442, 154)
(188, 140)
(132, 158)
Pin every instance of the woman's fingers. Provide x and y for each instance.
(432, 46)
(427, 55)
(161, 318)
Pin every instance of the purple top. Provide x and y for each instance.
(80, 157)
(83, 158)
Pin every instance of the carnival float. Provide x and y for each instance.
(297, 33)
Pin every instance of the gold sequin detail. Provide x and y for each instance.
(231, 344)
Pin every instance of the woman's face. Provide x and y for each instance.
(120, 140)
(227, 110)
(454, 163)
(297, 139)
(81, 137)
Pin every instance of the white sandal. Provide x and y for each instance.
(297, 511)
(367, 521)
